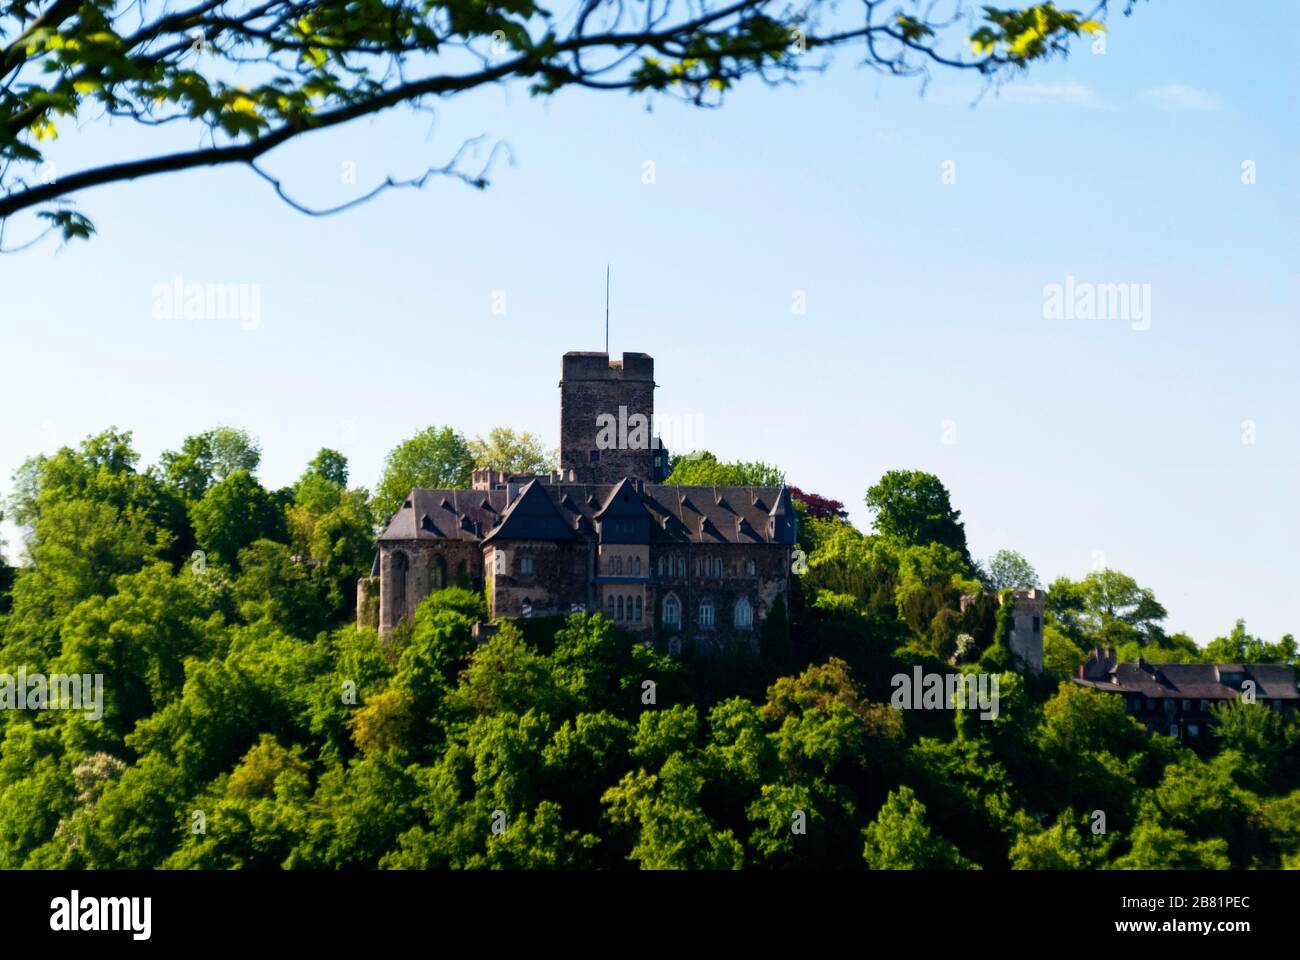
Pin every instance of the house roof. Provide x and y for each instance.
(1273, 681)
(678, 514)
(446, 515)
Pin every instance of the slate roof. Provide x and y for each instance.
(678, 514)
(446, 515)
(1273, 681)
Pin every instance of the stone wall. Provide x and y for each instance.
(368, 603)
(410, 570)
(561, 576)
(756, 573)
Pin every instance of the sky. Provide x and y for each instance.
(842, 277)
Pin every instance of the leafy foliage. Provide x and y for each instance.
(247, 723)
(254, 76)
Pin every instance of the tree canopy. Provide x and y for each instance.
(248, 723)
(253, 76)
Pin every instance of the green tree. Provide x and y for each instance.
(436, 457)
(1006, 570)
(208, 458)
(232, 514)
(900, 839)
(914, 507)
(704, 469)
(1240, 647)
(1158, 847)
(1107, 608)
(512, 452)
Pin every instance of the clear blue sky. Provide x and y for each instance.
(925, 300)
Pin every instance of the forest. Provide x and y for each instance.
(248, 723)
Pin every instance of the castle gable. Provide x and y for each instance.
(532, 516)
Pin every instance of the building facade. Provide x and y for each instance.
(1176, 698)
(600, 534)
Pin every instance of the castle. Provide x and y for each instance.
(602, 533)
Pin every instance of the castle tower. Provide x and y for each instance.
(607, 418)
(1027, 627)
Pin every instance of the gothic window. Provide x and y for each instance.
(661, 566)
(629, 609)
(439, 572)
(706, 613)
(609, 607)
(637, 561)
(620, 609)
(681, 566)
(753, 568)
(638, 609)
(618, 564)
(697, 566)
(672, 611)
(744, 614)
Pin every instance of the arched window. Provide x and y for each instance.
(706, 613)
(661, 566)
(744, 614)
(629, 609)
(681, 566)
(753, 569)
(439, 572)
(638, 609)
(637, 561)
(620, 609)
(697, 566)
(672, 611)
(609, 607)
(618, 564)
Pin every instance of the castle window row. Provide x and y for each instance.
(615, 565)
(704, 567)
(742, 613)
(623, 609)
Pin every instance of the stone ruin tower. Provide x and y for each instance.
(1027, 627)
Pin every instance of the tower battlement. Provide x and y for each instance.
(595, 392)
